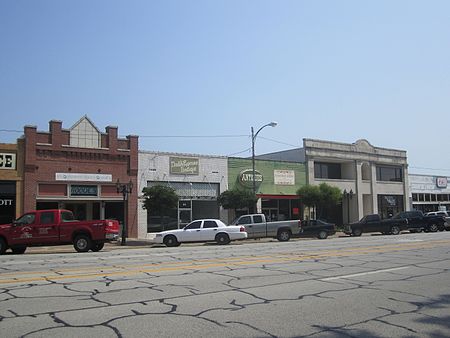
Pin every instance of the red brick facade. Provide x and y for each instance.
(49, 156)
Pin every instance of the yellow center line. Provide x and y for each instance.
(128, 270)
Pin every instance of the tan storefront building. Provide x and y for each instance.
(11, 182)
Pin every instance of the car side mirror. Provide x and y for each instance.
(16, 223)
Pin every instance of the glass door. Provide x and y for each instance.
(184, 213)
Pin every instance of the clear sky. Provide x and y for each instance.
(331, 70)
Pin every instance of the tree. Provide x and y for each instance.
(320, 197)
(160, 200)
(237, 199)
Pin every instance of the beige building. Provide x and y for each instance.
(373, 180)
(11, 182)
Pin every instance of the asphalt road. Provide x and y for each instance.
(372, 286)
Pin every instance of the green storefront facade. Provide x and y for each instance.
(276, 185)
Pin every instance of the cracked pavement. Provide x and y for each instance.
(372, 286)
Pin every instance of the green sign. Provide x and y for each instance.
(184, 166)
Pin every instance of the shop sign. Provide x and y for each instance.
(441, 182)
(83, 190)
(246, 178)
(83, 177)
(7, 161)
(184, 166)
(6, 202)
(284, 177)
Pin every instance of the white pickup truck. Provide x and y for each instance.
(256, 226)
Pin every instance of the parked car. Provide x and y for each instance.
(317, 228)
(257, 226)
(202, 230)
(445, 214)
(56, 227)
(417, 221)
(374, 223)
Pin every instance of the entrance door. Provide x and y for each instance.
(79, 210)
(271, 214)
(184, 213)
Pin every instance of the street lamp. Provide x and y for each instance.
(271, 124)
(348, 196)
(125, 189)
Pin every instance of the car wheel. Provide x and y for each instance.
(322, 234)
(284, 235)
(171, 240)
(357, 232)
(98, 246)
(433, 228)
(18, 250)
(395, 230)
(3, 246)
(222, 239)
(82, 243)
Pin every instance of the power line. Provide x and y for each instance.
(279, 142)
(424, 168)
(191, 136)
(11, 131)
(240, 152)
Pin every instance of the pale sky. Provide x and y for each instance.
(331, 70)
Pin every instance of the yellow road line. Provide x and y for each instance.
(127, 270)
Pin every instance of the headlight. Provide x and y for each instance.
(158, 235)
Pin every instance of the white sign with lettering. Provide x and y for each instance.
(7, 161)
(284, 177)
(77, 177)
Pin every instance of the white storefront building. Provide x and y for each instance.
(197, 179)
(429, 193)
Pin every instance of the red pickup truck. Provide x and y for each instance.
(56, 227)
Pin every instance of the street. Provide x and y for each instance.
(370, 286)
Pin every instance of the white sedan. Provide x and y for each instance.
(202, 230)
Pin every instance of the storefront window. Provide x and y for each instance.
(327, 170)
(7, 202)
(389, 174)
(390, 205)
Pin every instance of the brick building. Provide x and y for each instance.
(78, 168)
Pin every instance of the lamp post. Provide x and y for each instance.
(271, 124)
(348, 196)
(125, 189)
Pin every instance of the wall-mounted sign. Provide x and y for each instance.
(284, 177)
(7, 202)
(184, 166)
(246, 178)
(7, 161)
(441, 182)
(76, 177)
(83, 190)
